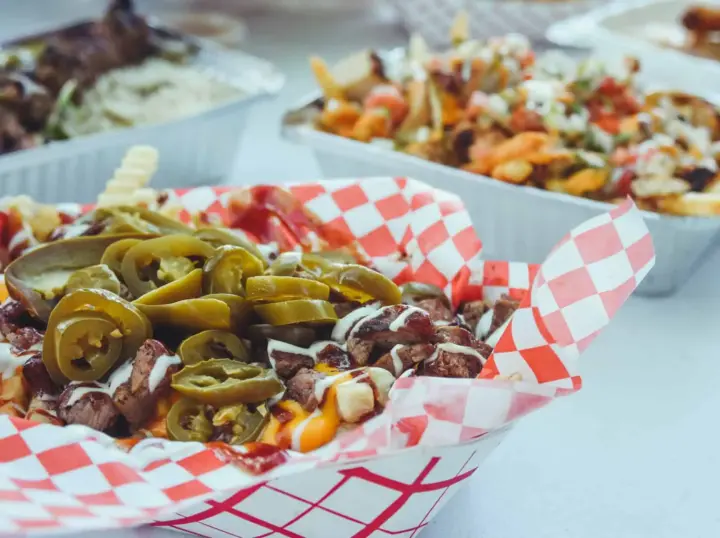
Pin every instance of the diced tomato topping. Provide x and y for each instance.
(523, 120)
(393, 102)
(623, 185)
(609, 123)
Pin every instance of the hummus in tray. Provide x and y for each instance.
(493, 108)
(94, 76)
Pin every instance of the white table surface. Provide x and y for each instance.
(636, 454)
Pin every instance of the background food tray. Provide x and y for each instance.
(615, 28)
(196, 150)
(488, 18)
(516, 223)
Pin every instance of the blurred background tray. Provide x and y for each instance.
(433, 18)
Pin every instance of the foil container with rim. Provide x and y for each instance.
(199, 149)
(516, 223)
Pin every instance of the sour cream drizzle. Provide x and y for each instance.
(160, 368)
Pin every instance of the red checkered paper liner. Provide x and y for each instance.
(393, 473)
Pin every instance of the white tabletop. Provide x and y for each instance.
(636, 454)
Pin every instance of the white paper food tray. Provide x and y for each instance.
(626, 28)
(433, 18)
(197, 149)
(516, 223)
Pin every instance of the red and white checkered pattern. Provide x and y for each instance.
(577, 290)
(488, 18)
(392, 474)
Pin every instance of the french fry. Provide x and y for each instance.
(516, 171)
(460, 29)
(700, 204)
(648, 187)
(418, 50)
(587, 181)
(329, 86)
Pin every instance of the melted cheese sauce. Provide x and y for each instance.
(306, 431)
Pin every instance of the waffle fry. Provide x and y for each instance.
(128, 186)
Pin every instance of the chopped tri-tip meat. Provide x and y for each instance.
(24, 338)
(437, 308)
(301, 388)
(344, 308)
(11, 314)
(486, 322)
(402, 358)
(149, 381)
(37, 377)
(472, 312)
(287, 359)
(89, 405)
(332, 356)
(462, 337)
(452, 360)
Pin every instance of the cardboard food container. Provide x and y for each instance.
(393, 473)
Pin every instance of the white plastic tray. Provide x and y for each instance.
(516, 223)
(624, 28)
(196, 150)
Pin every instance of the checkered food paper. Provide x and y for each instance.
(393, 473)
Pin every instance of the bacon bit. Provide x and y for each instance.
(527, 61)
(391, 101)
(523, 120)
(282, 415)
(623, 157)
(609, 123)
(257, 458)
(610, 86)
(623, 186)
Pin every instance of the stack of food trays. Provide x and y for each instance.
(323, 326)
(533, 145)
(73, 99)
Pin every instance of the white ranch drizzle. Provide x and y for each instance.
(367, 318)
(343, 326)
(284, 347)
(118, 377)
(402, 318)
(484, 323)
(397, 361)
(160, 368)
(82, 391)
(312, 351)
(10, 359)
(300, 428)
(323, 384)
(454, 348)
